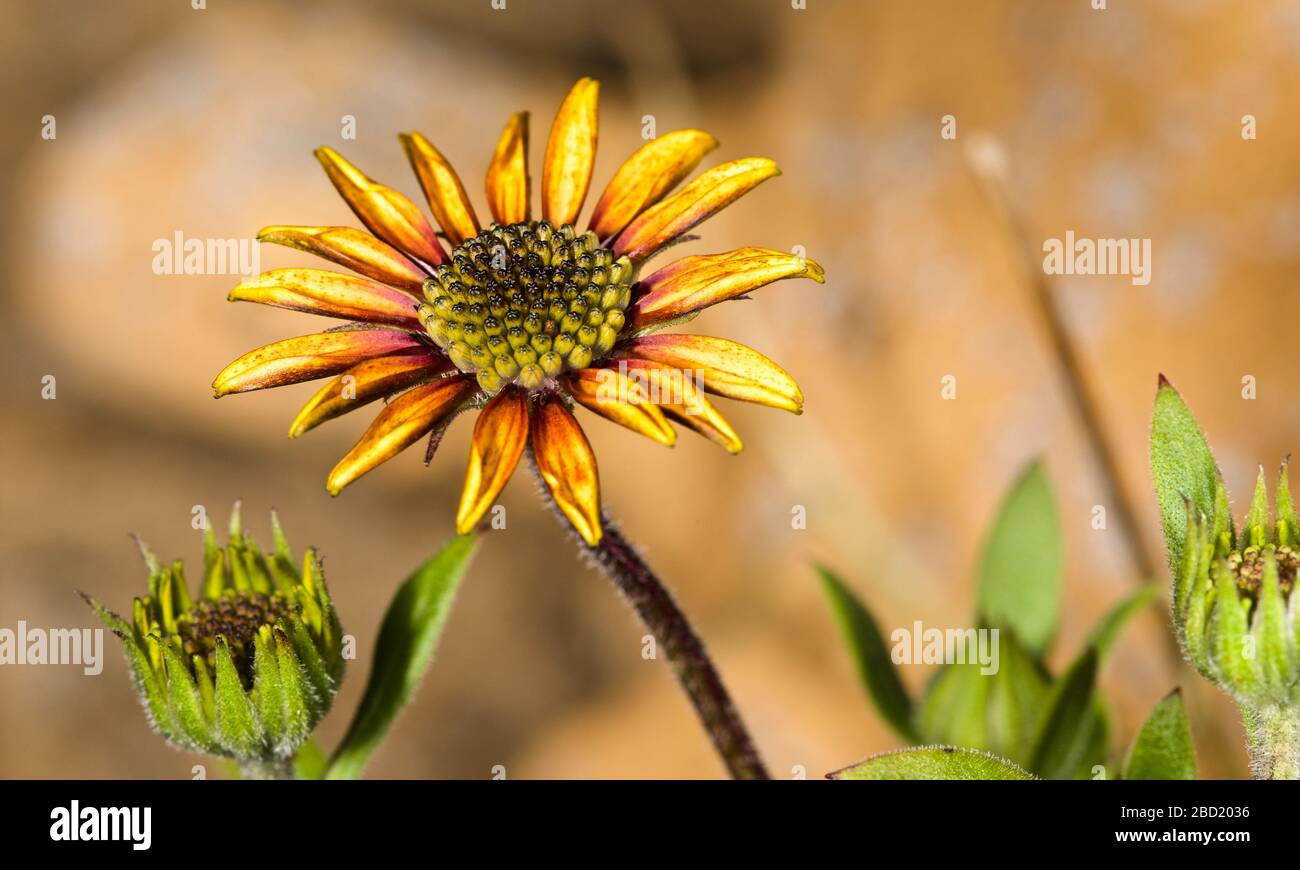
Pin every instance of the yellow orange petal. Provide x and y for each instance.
(507, 177)
(447, 198)
(500, 434)
(403, 421)
(728, 368)
(616, 397)
(308, 357)
(698, 414)
(333, 294)
(365, 382)
(354, 249)
(693, 283)
(570, 154)
(385, 212)
(706, 195)
(568, 465)
(646, 176)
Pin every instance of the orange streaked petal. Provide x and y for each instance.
(694, 283)
(387, 213)
(369, 380)
(500, 434)
(698, 414)
(705, 196)
(570, 153)
(354, 249)
(646, 176)
(728, 368)
(308, 357)
(616, 397)
(403, 421)
(568, 465)
(507, 177)
(678, 394)
(446, 195)
(333, 294)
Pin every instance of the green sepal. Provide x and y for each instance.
(1272, 641)
(1163, 747)
(299, 715)
(1234, 665)
(185, 699)
(214, 576)
(871, 656)
(1023, 562)
(239, 577)
(268, 693)
(1183, 468)
(1193, 628)
(1254, 529)
(207, 689)
(151, 563)
(1288, 524)
(211, 552)
(318, 675)
(148, 682)
(235, 531)
(933, 762)
(236, 730)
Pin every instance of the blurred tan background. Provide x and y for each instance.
(1117, 123)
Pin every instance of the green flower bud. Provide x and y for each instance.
(1232, 599)
(247, 667)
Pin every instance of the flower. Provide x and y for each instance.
(247, 668)
(525, 318)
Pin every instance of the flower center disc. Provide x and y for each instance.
(527, 302)
(237, 618)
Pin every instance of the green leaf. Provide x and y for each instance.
(407, 639)
(955, 709)
(1107, 631)
(1066, 730)
(1017, 694)
(1020, 574)
(1183, 468)
(1163, 748)
(870, 655)
(933, 762)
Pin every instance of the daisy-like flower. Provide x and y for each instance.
(525, 318)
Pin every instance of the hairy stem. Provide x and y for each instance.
(685, 651)
(1273, 737)
(270, 768)
(673, 634)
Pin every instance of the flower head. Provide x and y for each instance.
(527, 317)
(246, 668)
(1234, 600)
